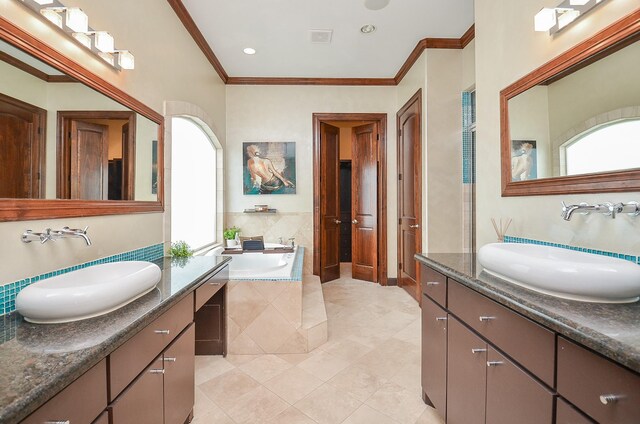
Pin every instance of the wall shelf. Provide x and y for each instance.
(255, 211)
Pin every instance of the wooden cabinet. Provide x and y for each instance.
(567, 414)
(103, 418)
(434, 354)
(142, 401)
(466, 375)
(179, 378)
(434, 285)
(80, 402)
(210, 315)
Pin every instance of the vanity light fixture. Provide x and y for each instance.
(557, 18)
(75, 23)
(249, 51)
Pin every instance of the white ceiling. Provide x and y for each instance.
(279, 31)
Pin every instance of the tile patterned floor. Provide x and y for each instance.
(367, 373)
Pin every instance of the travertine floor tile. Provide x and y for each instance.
(265, 367)
(291, 416)
(367, 415)
(327, 405)
(404, 406)
(430, 416)
(208, 367)
(323, 365)
(358, 381)
(259, 405)
(225, 389)
(293, 384)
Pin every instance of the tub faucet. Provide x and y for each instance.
(75, 232)
(585, 209)
(292, 243)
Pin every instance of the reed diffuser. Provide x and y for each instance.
(501, 227)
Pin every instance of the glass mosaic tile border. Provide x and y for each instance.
(468, 174)
(631, 258)
(8, 292)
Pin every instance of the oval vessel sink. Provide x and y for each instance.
(563, 273)
(87, 292)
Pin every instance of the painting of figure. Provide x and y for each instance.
(523, 160)
(269, 167)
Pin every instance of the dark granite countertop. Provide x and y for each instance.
(39, 360)
(613, 330)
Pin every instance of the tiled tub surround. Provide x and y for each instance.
(611, 330)
(37, 361)
(283, 316)
(8, 292)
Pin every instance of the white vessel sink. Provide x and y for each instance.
(563, 273)
(87, 293)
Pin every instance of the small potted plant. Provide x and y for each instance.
(230, 235)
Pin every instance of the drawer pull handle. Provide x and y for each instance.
(609, 399)
(485, 319)
(478, 350)
(155, 371)
(494, 363)
(161, 331)
(433, 283)
(169, 359)
(214, 283)
(441, 318)
(58, 422)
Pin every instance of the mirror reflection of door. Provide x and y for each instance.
(21, 149)
(96, 155)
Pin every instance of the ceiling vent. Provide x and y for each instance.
(322, 36)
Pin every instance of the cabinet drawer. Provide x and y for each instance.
(513, 396)
(126, 362)
(530, 344)
(585, 379)
(434, 285)
(80, 402)
(142, 402)
(567, 414)
(211, 287)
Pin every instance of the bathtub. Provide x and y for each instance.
(263, 266)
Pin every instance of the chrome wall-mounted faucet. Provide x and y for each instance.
(608, 209)
(53, 235)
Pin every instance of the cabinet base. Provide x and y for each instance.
(426, 399)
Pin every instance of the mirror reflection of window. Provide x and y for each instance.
(609, 147)
(193, 184)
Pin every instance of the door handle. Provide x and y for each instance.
(337, 221)
(414, 226)
(355, 221)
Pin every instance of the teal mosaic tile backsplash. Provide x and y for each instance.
(632, 258)
(8, 292)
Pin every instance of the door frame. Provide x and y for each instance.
(62, 147)
(381, 120)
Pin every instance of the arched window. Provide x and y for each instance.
(609, 147)
(193, 184)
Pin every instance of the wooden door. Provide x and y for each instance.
(179, 378)
(466, 375)
(409, 195)
(434, 354)
(329, 202)
(89, 179)
(21, 149)
(128, 162)
(141, 402)
(364, 204)
(513, 396)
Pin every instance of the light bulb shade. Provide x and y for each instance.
(126, 59)
(83, 38)
(545, 19)
(567, 17)
(104, 42)
(108, 57)
(52, 16)
(77, 20)
(578, 2)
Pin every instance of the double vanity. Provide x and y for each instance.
(495, 352)
(132, 365)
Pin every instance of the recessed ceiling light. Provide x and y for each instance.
(368, 29)
(375, 4)
(249, 50)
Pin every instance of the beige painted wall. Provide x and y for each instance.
(506, 49)
(284, 113)
(169, 66)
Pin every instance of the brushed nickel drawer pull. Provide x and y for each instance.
(169, 359)
(441, 318)
(485, 319)
(478, 350)
(609, 399)
(58, 422)
(433, 283)
(161, 331)
(494, 363)
(155, 371)
(214, 283)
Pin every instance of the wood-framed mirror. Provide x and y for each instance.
(572, 125)
(92, 149)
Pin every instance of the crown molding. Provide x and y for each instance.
(426, 43)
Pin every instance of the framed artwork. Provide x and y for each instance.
(269, 167)
(524, 160)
